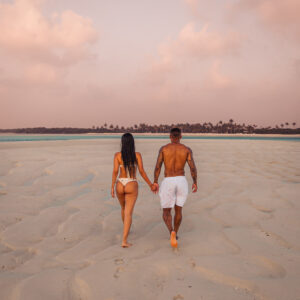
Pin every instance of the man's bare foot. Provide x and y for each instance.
(126, 245)
(173, 240)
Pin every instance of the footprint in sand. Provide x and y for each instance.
(2, 185)
(192, 263)
(118, 261)
(178, 297)
(118, 271)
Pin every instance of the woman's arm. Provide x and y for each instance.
(141, 169)
(114, 174)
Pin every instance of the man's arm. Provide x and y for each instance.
(191, 163)
(159, 162)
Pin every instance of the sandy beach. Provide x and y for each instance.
(60, 230)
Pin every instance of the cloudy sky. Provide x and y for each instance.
(83, 63)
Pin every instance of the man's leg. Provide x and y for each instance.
(177, 218)
(167, 217)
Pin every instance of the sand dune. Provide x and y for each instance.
(60, 231)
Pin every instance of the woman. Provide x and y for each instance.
(126, 162)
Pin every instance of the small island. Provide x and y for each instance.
(220, 127)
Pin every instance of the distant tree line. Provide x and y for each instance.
(219, 127)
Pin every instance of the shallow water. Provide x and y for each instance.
(19, 138)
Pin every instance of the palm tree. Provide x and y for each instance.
(294, 124)
(286, 123)
(111, 126)
(282, 125)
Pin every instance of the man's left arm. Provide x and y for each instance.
(192, 165)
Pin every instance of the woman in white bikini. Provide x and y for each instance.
(125, 163)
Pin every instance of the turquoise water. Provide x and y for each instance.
(19, 138)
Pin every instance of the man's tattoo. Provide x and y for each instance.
(192, 166)
(159, 162)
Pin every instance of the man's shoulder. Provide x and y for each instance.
(164, 147)
(186, 148)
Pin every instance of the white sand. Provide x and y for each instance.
(60, 231)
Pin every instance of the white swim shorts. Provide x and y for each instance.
(173, 190)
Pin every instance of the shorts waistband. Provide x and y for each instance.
(182, 176)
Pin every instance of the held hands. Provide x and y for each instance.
(194, 187)
(155, 188)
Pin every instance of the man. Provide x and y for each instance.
(174, 188)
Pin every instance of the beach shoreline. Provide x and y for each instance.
(154, 134)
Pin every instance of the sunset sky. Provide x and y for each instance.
(82, 63)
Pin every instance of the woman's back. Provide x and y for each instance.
(124, 172)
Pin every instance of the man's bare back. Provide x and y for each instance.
(174, 156)
(173, 191)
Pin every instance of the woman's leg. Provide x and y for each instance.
(131, 193)
(120, 191)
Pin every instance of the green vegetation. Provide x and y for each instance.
(219, 127)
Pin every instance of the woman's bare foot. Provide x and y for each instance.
(173, 240)
(126, 245)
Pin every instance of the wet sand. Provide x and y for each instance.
(60, 231)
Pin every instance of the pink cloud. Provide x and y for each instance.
(192, 46)
(205, 42)
(197, 44)
(41, 73)
(216, 77)
(193, 6)
(43, 45)
(281, 17)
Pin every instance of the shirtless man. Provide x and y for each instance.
(174, 187)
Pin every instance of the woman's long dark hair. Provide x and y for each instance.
(128, 153)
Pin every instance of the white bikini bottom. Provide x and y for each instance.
(124, 181)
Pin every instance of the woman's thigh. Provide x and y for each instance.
(120, 191)
(131, 193)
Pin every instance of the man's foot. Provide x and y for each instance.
(126, 245)
(173, 240)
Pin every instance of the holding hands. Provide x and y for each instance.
(154, 187)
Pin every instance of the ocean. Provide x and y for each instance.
(20, 138)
